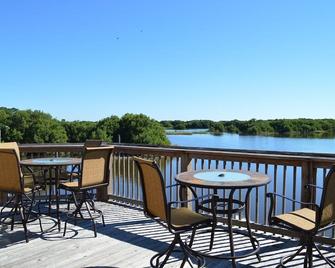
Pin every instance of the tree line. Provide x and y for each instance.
(31, 126)
(299, 127)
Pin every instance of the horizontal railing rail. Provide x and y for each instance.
(289, 171)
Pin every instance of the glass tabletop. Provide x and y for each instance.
(52, 160)
(222, 176)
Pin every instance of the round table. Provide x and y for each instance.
(52, 163)
(232, 180)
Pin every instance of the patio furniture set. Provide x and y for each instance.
(182, 218)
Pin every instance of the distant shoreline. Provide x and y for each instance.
(304, 127)
(189, 132)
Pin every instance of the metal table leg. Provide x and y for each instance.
(50, 190)
(230, 227)
(252, 239)
(57, 195)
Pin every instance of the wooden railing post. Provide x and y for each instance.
(307, 177)
(186, 165)
(102, 194)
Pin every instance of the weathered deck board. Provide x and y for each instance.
(128, 240)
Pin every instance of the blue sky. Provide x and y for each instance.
(190, 59)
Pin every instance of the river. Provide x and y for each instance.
(235, 141)
(285, 144)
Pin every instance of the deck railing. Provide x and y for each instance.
(290, 172)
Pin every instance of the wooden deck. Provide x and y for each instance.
(128, 240)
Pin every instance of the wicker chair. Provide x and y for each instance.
(94, 174)
(73, 172)
(22, 197)
(308, 222)
(177, 220)
(33, 179)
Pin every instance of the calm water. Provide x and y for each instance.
(234, 141)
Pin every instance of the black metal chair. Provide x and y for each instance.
(73, 172)
(94, 174)
(308, 221)
(22, 198)
(31, 178)
(177, 220)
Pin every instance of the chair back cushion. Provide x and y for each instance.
(328, 199)
(10, 173)
(11, 145)
(95, 166)
(153, 188)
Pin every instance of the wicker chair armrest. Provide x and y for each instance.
(290, 199)
(170, 204)
(272, 201)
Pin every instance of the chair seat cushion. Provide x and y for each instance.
(183, 217)
(303, 219)
(27, 189)
(70, 184)
(69, 175)
(28, 180)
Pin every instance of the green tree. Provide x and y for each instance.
(217, 128)
(166, 124)
(107, 129)
(79, 131)
(179, 125)
(140, 129)
(33, 127)
(42, 128)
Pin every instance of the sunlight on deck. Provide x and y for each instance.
(128, 240)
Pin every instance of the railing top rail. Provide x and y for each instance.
(50, 147)
(194, 152)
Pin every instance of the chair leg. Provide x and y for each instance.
(30, 209)
(189, 254)
(211, 243)
(23, 209)
(310, 255)
(65, 224)
(327, 260)
(92, 219)
(190, 244)
(24, 222)
(160, 254)
(68, 202)
(39, 203)
(290, 257)
(40, 223)
(6, 204)
(13, 215)
(103, 220)
(168, 253)
(90, 202)
(82, 201)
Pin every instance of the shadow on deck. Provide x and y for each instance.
(128, 240)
